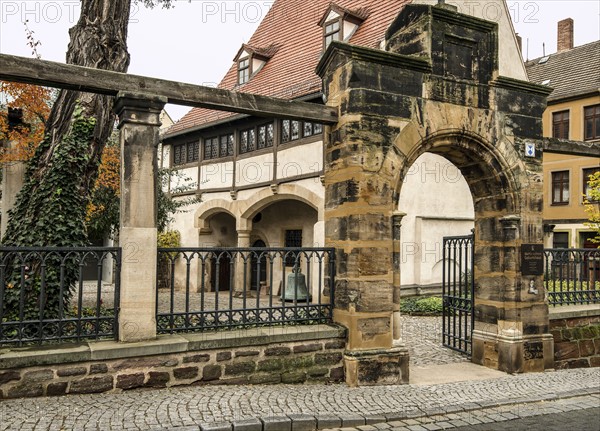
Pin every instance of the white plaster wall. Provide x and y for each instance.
(314, 185)
(216, 175)
(300, 160)
(437, 202)
(254, 170)
(511, 61)
(184, 223)
(185, 177)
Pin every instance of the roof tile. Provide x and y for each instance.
(291, 26)
(570, 73)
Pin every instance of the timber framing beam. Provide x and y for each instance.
(70, 77)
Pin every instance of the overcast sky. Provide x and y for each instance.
(197, 40)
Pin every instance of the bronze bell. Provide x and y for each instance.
(295, 292)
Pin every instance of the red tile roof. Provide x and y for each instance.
(292, 26)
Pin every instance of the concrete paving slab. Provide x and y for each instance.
(449, 373)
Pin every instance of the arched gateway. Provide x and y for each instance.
(437, 89)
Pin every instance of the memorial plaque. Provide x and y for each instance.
(533, 350)
(532, 259)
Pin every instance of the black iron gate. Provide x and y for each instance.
(458, 293)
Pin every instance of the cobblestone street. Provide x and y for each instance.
(420, 407)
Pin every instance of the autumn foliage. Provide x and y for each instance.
(102, 214)
(34, 101)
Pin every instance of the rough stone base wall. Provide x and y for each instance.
(297, 362)
(576, 342)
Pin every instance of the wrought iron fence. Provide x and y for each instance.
(572, 276)
(52, 294)
(458, 288)
(205, 288)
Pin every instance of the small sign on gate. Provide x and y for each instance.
(532, 259)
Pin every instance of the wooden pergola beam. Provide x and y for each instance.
(70, 77)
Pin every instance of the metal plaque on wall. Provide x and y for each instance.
(532, 259)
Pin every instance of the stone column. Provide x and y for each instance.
(139, 126)
(396, 230)
(13, 176)
(318, 241)
(238, 279)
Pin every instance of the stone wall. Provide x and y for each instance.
(576, 339)
(306, 357)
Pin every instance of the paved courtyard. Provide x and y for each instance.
(495, 397)
(330, 404)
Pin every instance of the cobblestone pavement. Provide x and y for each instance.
(577, 413)
(423, 337)
(303, 405)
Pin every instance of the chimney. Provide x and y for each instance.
(520, 43)
(565, 35)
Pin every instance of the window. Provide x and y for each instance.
(332, 32)
(560, 125)
(247, 140)
(218, 147)
(295, 130)
(186, 153)
(292, 130)
(560, 240)
(256, 138)
(211, 149)
(592, 122)
(226, 146)
(265, 135)
(586, 184)
(293, 239)
(243, 70)
(560, 188)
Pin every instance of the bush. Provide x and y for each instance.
(422, 306)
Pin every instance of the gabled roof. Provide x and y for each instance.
(263, 53)
(292, 26)
(358, 15)
(571, 73)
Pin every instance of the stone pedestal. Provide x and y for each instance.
(139, 126)
(377, 367)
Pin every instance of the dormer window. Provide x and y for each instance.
(244, 70)
(332, 32)
(250, 60)
(340, 23)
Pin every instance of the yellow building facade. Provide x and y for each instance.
(573, 114)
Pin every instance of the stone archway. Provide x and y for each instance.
(253, 205)
(209, 208)
(394, 106)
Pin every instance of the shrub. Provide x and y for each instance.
(422, 306)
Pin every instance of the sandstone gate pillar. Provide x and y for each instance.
(359, 215)
(138, 123)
